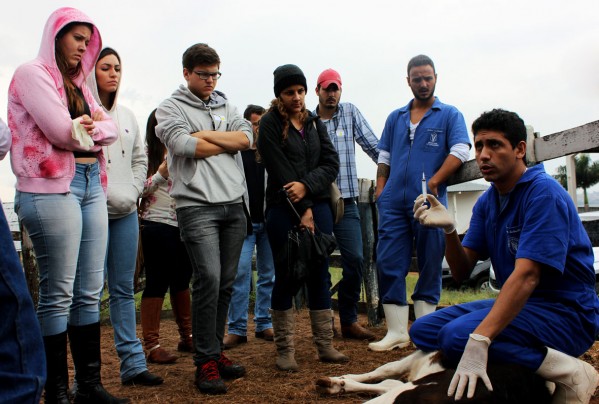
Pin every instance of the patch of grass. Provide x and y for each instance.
(448, 297)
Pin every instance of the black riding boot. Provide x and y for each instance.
(85, 348)
(57, 383)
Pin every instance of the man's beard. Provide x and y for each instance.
(420, 98)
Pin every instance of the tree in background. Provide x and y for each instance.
(587, 175)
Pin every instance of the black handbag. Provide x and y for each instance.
(303, 250)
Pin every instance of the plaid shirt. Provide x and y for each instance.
(347, 125)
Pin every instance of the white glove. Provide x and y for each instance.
(79, 133)
(435, 216)
(472, 366)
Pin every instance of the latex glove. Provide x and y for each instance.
(79, 133)
(472, 366)
(435, 216)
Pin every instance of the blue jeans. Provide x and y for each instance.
(69, 233)
(279, 220)
(348, 234)
(23, 361)
(120, 268)
(213, 236)
(238, 308)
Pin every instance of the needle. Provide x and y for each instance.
(424, 187)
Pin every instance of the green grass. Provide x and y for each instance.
(448, 297)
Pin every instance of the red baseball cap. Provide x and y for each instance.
(328, 77)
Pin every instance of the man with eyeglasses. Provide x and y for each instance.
(346, 126)
(422, 145)
(203, 134)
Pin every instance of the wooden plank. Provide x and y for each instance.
(582, 139)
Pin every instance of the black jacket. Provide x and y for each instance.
(312, 160)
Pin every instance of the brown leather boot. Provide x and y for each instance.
(283, 323)
(322, 332)
(150, 326)
(356, 331)
(181, 303)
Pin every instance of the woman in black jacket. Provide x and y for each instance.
(302, 163)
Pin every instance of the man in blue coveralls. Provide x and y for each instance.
(546, 314)
(426, 137)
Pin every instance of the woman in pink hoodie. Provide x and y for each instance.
(58, 131)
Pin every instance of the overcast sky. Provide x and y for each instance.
(539, 58)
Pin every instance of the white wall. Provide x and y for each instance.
(459, 205)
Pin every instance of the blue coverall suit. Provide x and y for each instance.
(441, 128)
(537, 220)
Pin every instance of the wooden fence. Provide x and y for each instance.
(580, 139)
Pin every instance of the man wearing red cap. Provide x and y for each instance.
(347, 126)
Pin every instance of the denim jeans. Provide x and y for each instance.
(23, 361)
(213, 236)
(348, 234)
(123, 234)
(279, 220)
(69, 233)
(238, 308)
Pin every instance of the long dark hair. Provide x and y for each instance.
(155, 151)
(155, 147)
(75, 103)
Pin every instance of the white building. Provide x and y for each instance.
(460, 201)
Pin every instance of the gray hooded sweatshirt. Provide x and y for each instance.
(201, 181)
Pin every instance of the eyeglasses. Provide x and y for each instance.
(206, 75)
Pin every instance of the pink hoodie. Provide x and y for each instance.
(42, 148)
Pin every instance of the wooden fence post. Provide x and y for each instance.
(30, 265)
(368, 215)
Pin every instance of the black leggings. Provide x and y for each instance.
(165, 259)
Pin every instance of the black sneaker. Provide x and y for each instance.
(208, 379)
(228, 369)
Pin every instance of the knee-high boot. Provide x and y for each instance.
(283, 324)
(397, 329)
(85, 349)
(322, 331)
(150, 308)
(181, 304)
(57, 383)
(575, 380)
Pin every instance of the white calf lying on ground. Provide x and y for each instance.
(427, 381)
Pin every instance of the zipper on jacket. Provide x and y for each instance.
(407, 164)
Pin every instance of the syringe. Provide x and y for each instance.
(424, 187)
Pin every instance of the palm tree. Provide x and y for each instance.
(587, 175)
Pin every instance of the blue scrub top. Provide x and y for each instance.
(541, 223)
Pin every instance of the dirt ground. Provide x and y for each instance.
(263, 382)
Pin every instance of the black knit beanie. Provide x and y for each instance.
(288, 75)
